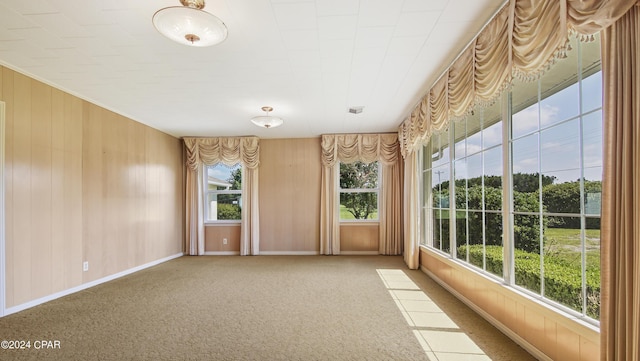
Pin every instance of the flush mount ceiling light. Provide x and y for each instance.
(190, 25)
(267, 121)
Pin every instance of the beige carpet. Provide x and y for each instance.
(243, 308)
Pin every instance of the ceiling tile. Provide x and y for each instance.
(295, 16)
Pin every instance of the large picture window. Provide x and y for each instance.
(223, 193)
(538, 228)
(359, 191)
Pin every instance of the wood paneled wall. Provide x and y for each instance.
(290, 171)
(82, 184)
(555, 336)
(214, 236)
(359, 237)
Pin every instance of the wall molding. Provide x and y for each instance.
(87, 285)
(289, 253)
(222, 253)
(359, 253)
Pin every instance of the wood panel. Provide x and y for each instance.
(82, 184)
(215, 234)
(6, 84)
(41, 189)
(546, 330)
(21, 285)
(290, 195)
(363, 237)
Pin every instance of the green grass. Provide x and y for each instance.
(345, 214)
(565, 244)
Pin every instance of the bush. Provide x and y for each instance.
(229, 211)
(563, 282)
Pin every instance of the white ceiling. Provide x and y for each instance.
(309, 59)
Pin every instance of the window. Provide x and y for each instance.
(359, 191)
(539, 228)
(223, 195)
(556, 165)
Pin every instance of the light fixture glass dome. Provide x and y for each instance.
(267, 121)
(190, 26)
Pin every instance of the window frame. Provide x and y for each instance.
(361, 190)
(207, 192)
(508, 211)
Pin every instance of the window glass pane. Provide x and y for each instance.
(525, 155)
(440, 188)
(476, 243)
(591, 75)
(592, 198)
(460, 129)
(461, 235)
(460, 171)
(361, 205)
(592, 139)
(474, 133)
(527, 251)
(560, 147)
(223, 193)
(222, 206)
(440, 148)
(492, 125)
(525, 109)
(493, 242)
(592, 246)
(493, 179)
(562, 197)
(359, 191)
(223, 177)
(592, 91)
(359, 175)
(563, 261)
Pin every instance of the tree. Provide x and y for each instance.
(363, 176)
(228, 204)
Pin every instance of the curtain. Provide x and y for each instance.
(523, 40)
(411, 211)
(367, 148)
(230, 151)
(620, 232)
(391, 209)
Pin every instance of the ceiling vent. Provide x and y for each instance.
(355, 110)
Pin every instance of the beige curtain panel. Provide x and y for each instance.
(523, 40)
(201, 152)
(620, 232)
(351, 148)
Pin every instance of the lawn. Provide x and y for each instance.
(345, 214)
(565, 243)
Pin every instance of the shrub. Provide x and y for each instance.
(563, 282)
(229, 211)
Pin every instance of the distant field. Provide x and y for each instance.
(565, 243)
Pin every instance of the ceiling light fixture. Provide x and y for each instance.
(267, 121)
(190, 25)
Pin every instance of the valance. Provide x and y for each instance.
(226, 150)
(367, 148)
(522, 40)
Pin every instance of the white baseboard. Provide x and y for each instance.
(289, 253)
(84, 286)
(359, 253)
(497, 324)
(222, 253)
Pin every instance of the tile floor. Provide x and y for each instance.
(440, 337)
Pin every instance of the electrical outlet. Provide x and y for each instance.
(224, 241)
(85, 266)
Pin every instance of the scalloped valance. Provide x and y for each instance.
(522, 40)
